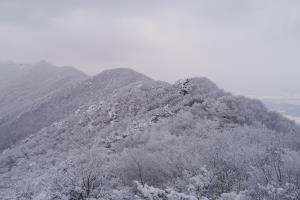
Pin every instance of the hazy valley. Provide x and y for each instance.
(287, 106)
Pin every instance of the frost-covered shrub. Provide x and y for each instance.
(152, 193)
(234, 196)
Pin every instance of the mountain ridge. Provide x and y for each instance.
(59, 104)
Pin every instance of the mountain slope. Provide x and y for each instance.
(153, 140)
(59, 103)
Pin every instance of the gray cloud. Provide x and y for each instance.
(248, 47)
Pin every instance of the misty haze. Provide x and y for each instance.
(149, 100)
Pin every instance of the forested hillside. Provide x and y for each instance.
(135, 138)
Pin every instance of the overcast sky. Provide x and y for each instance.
(247, 47)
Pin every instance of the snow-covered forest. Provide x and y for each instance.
(123, 136)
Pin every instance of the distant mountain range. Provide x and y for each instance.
(121, 135)
(24, 89)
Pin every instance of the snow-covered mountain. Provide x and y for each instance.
(122, 135)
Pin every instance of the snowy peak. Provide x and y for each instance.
(119, 75)
(108, 81)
